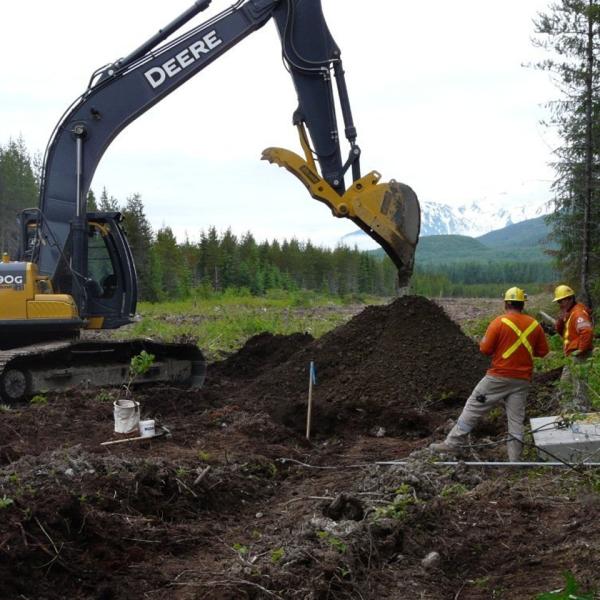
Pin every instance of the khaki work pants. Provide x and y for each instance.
(573, 393)
(490, 392)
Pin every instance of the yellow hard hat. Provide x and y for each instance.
(561, 292)
(515, 294)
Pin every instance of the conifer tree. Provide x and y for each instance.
(570, 31)
(108, 203)
(140, 237)
(92, 205)
(175, 276)
(18, 190)
(229, 259)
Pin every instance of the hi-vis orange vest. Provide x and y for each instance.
(577, 330)
(513, 340)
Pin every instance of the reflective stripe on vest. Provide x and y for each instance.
(521, 337)
(566, 338)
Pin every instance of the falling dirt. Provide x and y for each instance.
(232, 501)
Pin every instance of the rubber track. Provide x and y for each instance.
(6, 356)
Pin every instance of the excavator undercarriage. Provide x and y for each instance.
(62, 365)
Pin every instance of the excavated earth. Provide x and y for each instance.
(232, 501)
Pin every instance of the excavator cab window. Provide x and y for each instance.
(101, 268)
(111, 281)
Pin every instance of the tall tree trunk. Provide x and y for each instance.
(589, 156)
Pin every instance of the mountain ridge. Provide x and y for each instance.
(467, 220)
(520, 242)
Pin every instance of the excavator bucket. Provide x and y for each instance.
(387, 212)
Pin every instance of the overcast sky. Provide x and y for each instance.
(439, 97)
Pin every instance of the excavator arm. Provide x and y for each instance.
(125, 89)
(388, 212)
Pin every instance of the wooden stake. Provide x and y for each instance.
(132, 439)
(309, 409)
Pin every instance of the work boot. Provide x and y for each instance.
(515, 449)
(446, 448)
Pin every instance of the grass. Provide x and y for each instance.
(222, 323)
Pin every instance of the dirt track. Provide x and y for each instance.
(234, 503)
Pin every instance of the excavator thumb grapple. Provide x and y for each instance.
(388, 212)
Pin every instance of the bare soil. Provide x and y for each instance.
(232, 501)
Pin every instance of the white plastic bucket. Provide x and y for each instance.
(147, 428)
(127, 415)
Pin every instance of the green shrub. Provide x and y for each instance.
(39, 400)
(569, 592)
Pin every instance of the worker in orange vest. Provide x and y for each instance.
(574, 324)
(512, 340)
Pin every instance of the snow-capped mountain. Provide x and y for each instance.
(472, 220)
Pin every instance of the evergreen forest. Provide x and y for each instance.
(217, 262)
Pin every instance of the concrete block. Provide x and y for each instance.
(577, 442)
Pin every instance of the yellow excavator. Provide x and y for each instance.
(75, 270)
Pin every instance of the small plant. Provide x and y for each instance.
(4, 408)
(481, 582)
(344, 571)
(570, 591)
(240, 549)
(277, 555)
(5, 502)
(334, 542)
(104, 396)
(454, 490)
(182, 472)
(139, 365)
(446, 395)
(495, 415)
(398, 508)
(39, 400)
(261, 469)
(203, 456)
(424, 403)
(594, 483)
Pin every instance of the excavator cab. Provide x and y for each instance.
(56, 306)
(111, 280)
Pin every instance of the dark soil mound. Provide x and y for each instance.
(380, 369)
(260, 354)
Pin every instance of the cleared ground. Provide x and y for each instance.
(233, 502)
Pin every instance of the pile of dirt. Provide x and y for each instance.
(382, 369)
(259, 355)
